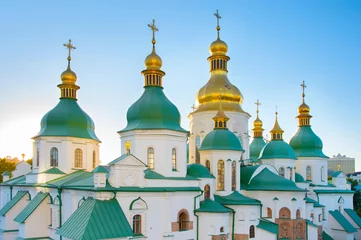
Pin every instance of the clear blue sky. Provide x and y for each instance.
(273, 46)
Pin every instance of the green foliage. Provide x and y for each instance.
(6, 166)
(356, 196)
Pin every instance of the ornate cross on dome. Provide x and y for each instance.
(303, 85)
(70, 47)
(193, 107)
(154, 29)
(218, 17)
(258, 104)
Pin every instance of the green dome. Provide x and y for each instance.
(299, 178)
(67, 119)
(277, 149)
(198, 171)
(256, 147)
(306, 143)
(153, 110)
(221, 139)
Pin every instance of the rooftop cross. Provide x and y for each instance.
(303, 85)
(70, 47)
(258, 104)
(154, 29)
(218, 17)
(193, 107)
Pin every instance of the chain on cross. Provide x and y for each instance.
(154, 29)
(70, 47)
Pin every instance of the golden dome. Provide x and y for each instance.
(68, 76)
(218, 47)
(257, 122)
(303, 109)
(153, 61)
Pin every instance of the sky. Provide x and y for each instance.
(273, 46)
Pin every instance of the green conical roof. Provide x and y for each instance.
(277, 149)
(221, 139)
(153, 110)
(67, 119)
(256, 147)
(306, 143)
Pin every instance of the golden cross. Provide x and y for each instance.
(258, 104)
(303, 85)
(193, 107)
(69, 46)
(218, 17)
(154, 29)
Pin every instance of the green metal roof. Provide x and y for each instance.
(299, 178)
(306, 143)
(210, 206)
(153, 110)
(256, 147)
(123, 157)
(150, 174)
(247, 173)
(30, 208)
(269, 181)
(314, 202)
(198, 171)
(325, 236)
(5, 173)
(221, 139)
(67, 119)
(100, 169)
(96, 219)
(325, 191)
(236, 198)
(53, 170)
(336, 174)
(14, 181)
(9, 205)
(354, 216)
(311, 223)
(268, 226)
(345, 224)
(277, 149)
(70, 178)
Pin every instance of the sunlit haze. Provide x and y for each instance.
(273, 46)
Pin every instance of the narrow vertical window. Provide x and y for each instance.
(220, 177)
(183, 220)
(322, 173)
(94, 159)
(207, 192)
(281, 172)
(78, 163)
(251, 231)
(150, 158)
(174, 159)
(208, 165)
(234, 176)
(137, 224)
(269, 212)
(53, 157)
(291, 173)
(37, 157)
(308, 173)
(198, 142)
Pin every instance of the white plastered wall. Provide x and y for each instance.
(316, 166)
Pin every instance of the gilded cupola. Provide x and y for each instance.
(276, 132)
(209, 95)
(258, 142)
(257, 124)
(304, 110)
(68, 78)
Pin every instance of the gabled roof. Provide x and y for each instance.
(30, 208)
(70, 178)
(338, 174)
(354, 216)
(124, 156)
(5, 173)
(100, 169)
(268, 226)
(210, 206)
(13, 181)
(236, 198)
(345, 224)
(9, 205)
(53, 170)
(96, 219)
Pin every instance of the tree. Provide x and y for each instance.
(356, 196)
(5, 166)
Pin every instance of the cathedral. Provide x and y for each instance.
(211, 182)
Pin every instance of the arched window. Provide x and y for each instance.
(198, 142)
(220, 177)
(221, 229)
(53, 157)
(291, 173)
(150, 158)
(285, 213)
(308, 173)
(322, 173)
(174, 159)
(137, 224)
(269, 212)
(234, 176)
(207, 192)
(208, 165)
(312, 216)
(251, 232)
(183, 220)
(78, 158)
(298, 214)
(37, 157)
(281, 172)
(94, 160)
